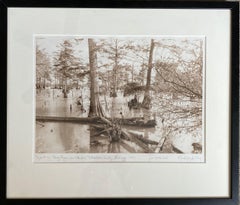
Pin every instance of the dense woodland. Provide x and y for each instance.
(163, 76)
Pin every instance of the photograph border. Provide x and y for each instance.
(234, 94)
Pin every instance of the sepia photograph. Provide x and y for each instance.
(113, 95)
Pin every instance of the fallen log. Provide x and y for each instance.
(101, 132)
(127, 147)
(176, 150)
(126, 135)
(97, 127)
(67, 119)
(160, 145)
(142, 145)
(144, 140)
(139, 122)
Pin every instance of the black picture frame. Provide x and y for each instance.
(234, 115)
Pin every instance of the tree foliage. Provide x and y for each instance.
(65, 61)
(43, 66)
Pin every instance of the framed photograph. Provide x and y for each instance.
(120, 102)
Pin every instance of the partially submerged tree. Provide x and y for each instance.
(113, 50)
(95, 107)
(147, 99)
(138, 56)
(66, 64)
(132, 89)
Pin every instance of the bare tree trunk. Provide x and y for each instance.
(132, 73)
(95, 107)
(147, 100)
(114, 93)
(65, 88)
(44, 82)
(142, 73)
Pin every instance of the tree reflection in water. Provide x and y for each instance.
(114, 147)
